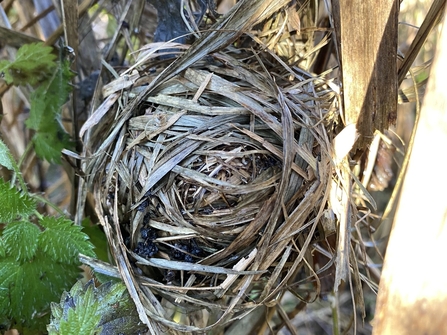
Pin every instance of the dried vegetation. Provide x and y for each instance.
(212, 165)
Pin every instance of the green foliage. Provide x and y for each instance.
(21, 240)
(6, 158)
(98, 239)
(36, 65)
(39, 254)
(29, 287)
(2, 248)
(107, 309)
(54, 240)
(33, 64)
(46, 105)
(13, 203)
(37, 261)
(81, 314)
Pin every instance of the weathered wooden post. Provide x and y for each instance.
(413, 292)
(367, 47)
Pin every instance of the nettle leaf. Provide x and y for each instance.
(84, 303)
(14, 203)
(46, 108)
(47, 100)
(33, 55)
(4, 73)
(2, 248)
(63, 241)
(118, 311)
(27, 289)
(8, 270)
(33, 64)
(84, 318)
(6, 158)
(21, 240)
(48, 145)
(36, 267)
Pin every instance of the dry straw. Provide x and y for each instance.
(210, 173)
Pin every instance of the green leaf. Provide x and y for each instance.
(63, 241)
(21, 240)
(83, 304)
(46, 108)
(4, 71)
(49, 145)
(2, 248)
(36, 267)
(8, 269)
(33, 64)
(6, 158)
(119, 315)
(47, 100)
(84, 318)
(98, 239)
(4, 322)
(14, 203)
(27, 289)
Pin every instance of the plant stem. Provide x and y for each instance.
(333, 298)
(49, 203)
(17, 166)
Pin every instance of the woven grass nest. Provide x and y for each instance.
(210, 182)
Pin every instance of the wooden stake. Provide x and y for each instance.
(366, 32)
(413, 292)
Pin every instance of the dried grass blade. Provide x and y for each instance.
(195, 267)
(243, 263)
(97, 116)
(270, 147)
(344, 228)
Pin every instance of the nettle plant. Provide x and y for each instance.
(38, 257)
(36, 65)
(38, 253)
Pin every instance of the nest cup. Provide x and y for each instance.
(211, 186)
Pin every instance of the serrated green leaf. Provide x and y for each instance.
(2, 248)
(43, 109)
(63, 241)
(46, 107)
(6, 158)
(38, 54)
(47, 100)
(14, 203)
(26, 290)
(119, 315)
(84, 318)
(4, 73)
(87, 309)
(21, 240)
(49, 145)
(34, 62)
(8, 270)
(56, 310)
(110, 301)
(4, 322)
